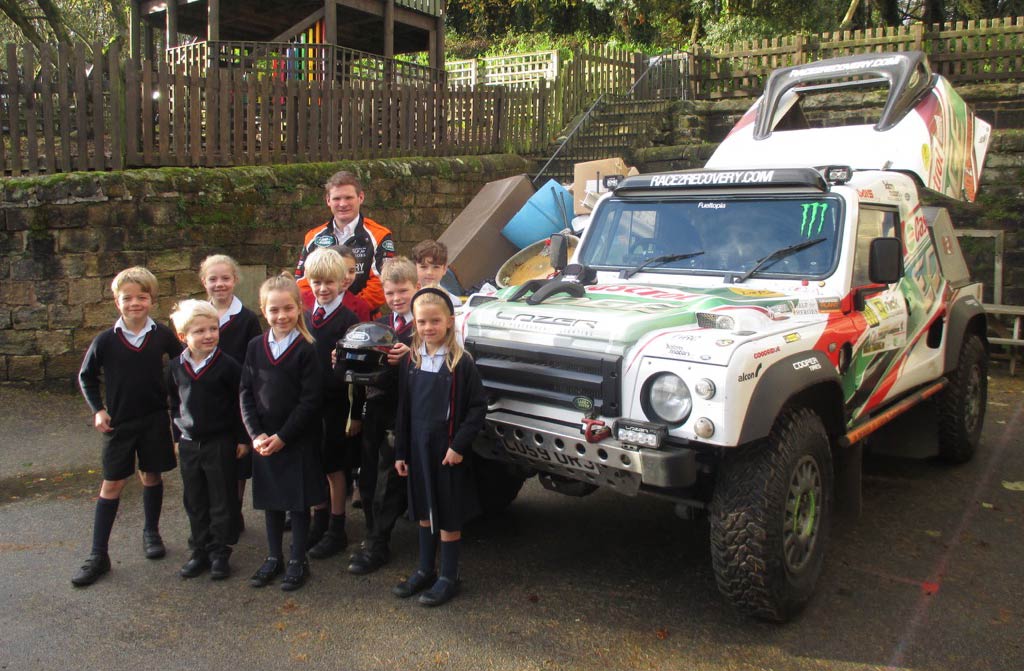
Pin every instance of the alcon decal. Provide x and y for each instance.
(744, 377)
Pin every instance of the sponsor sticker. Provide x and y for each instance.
(744, 377)
(767, 352)
(791, 337)
(675, 350)
(388, 245)
(812, 218)
(358, 336)
(756, 293)
(724, 342)
(829, 305)
(325, 240)
(810, 364)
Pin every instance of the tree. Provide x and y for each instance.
(42, 22)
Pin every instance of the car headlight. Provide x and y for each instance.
(667, 399)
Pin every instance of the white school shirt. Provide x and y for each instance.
(233, 309)
(277, 348)
(131, 336)
(431, 363)
(196, 367)
(330, 307)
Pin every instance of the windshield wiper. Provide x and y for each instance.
(776, 255)
(658, 260)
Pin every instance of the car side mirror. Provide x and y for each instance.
(885, 260)
(559, 251)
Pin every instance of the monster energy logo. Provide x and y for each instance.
(812, 212)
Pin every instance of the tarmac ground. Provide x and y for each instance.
(928, 578)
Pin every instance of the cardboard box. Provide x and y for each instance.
(589, 177)
(476, 248)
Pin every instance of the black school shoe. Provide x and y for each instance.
(415, 583)
(442, 592)
(198, 563)
(368, 560)
(295, 575)
(329, 545)
(153, 545)
(219, 568)
(95, 566)
(270, 569)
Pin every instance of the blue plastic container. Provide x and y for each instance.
(547, 211)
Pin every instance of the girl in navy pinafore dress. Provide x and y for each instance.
(441, 409)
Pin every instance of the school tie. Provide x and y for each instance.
(318, 316)
(399, 322)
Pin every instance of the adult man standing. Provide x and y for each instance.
(371, 242)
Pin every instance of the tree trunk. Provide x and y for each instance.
(14, 11)
(850, 13)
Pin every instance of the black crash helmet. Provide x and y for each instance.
(363, 353)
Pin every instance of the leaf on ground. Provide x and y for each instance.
(533, 598)
(662, 634)
(933, 533)
(1016, 486)
(301, 657)
(280, 626)
(987, 506)
(289, 606)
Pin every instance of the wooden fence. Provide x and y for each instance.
(64, 108)
(69, 109)
(964, 52)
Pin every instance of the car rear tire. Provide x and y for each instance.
(962, 403)
(769, 518)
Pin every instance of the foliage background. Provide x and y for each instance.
(488, 27)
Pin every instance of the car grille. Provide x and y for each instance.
(553, 374)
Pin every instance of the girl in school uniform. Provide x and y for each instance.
(441, 409)
(281, 393)
(238, 325)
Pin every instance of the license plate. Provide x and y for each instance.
(538, 453)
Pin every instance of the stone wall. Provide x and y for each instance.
(64, 237)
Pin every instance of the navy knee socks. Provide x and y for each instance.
(428, 548)
(152, 502)
(106, 511)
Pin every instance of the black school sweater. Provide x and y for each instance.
(204, 405)
(133, 378)
(236, 333)
(330, 331)
(281, 396)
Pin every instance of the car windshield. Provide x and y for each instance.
(733, 233)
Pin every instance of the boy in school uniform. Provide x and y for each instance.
(131, 414)
(208, 431)
(384, 492)
(431, 259)
(328, 321)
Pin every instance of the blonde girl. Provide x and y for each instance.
(441, 409)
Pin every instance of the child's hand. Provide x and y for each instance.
(334, 358)
(176, 450)
(355, 427)
(402, 468)
(259, 444)
(102, 421)
(240, 450)
(273, 444)
(397, 353)
(451, 458)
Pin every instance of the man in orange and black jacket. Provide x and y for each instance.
(371, 242)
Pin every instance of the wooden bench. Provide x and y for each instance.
(1014, 339)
